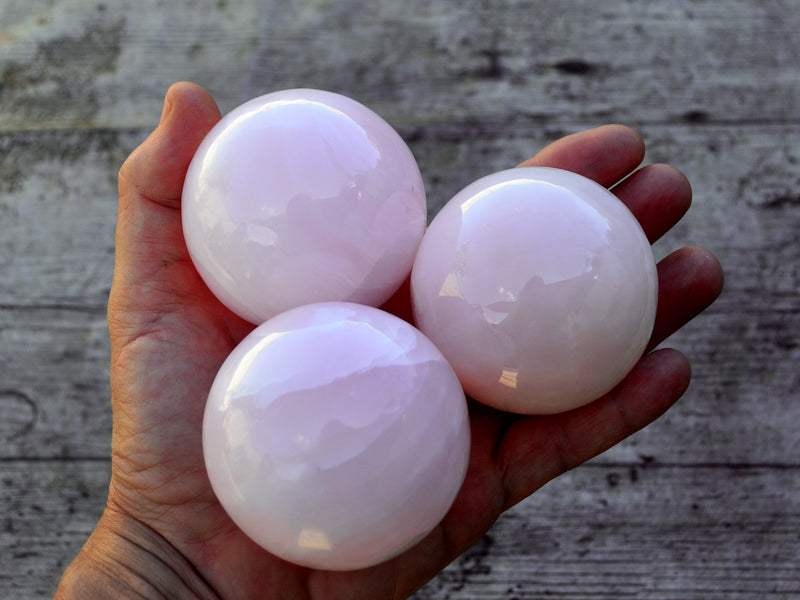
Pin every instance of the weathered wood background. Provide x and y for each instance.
(703, 504)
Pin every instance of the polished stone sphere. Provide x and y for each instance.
(336, 435)
(302, 196)
(539, 287)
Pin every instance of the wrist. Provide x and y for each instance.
(124, 558)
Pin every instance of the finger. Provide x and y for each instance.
(151, 180)
(535, 450)
(156, 169)
(658, 196)
(689, 280)
(152, 266)
(605, 154)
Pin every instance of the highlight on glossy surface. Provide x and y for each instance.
(302, 196)
(539, 287)
(336, 435)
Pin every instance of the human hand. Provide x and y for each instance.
(163, 533)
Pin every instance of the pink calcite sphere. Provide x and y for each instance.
(336, 435)
(539, 287)
(302, 196)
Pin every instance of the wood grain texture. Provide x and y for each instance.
(73, 63)
(639, 531)
(704, 503)
(49, 508)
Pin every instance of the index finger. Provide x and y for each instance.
(604, 154)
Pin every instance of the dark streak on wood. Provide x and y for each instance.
(575, 66)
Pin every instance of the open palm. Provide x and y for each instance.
(163, 526)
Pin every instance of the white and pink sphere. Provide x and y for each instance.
(302, 196)
(540, 288)
(336, 435)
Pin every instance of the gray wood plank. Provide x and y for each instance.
(49, 509)
(54, 388)
(75, 64)
(612, 531)
(58, 203)
(640, 532)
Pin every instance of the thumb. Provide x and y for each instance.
(152, 268)
(156, 169)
